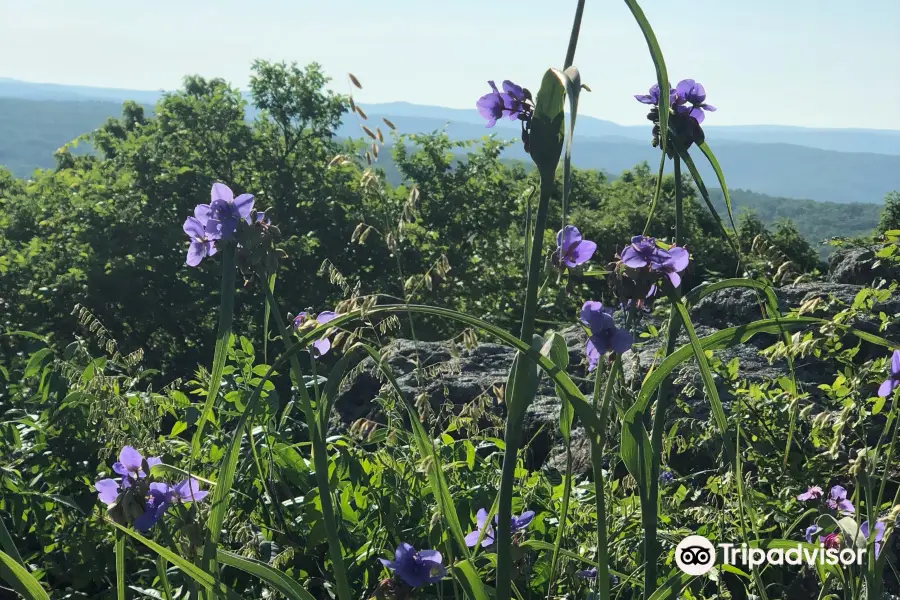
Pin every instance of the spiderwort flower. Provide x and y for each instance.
(491, 106)
(812, 492)
(879, 534)
(689, 90)
(130, 463)
(605, 336)
(512, 102)
(157, 502)
(588, 573)
(837, 500)
(810, 532)
(202, 241)
(187, 491)
(893, 379)
(653, 96)
(416, 568)
(643, 253)
(225, 210)
(571, 249)
(321, 346)
(666, 477)
(516, 524)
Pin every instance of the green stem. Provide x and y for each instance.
(650, 515)
(517, 401)
(120, 566)
(602, 581)
(320, 459)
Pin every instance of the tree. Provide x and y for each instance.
(890, 214)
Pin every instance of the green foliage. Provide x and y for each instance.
(890, 214)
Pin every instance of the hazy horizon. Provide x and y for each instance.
(807, 63)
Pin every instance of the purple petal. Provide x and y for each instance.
(675, 278)
(189, 491)
(481, 518)
(321, 347)
(567, 237)
(121, 469)
(580, 253)
(887, 387)
(154, 460)
(632, 258)
(387, 563)
(514, 91)
(589, 309)
(621, 341)
(244, 205)
(325, 316)
(431, 556)
(680, 258)
(160, 488)
(895, 363)
(810, 531)
(222, 193)
(709, 107)
(838, 492)
(201, 213)
(472, 538)
(195, 228)
(108, 490)
(524, 519)
(493, 86)
(404, 553)
(131, 458)
(196, 252)
(698, 115)
(644, 99)
(846, 506)
(594, 349)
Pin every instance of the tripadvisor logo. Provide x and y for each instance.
(696, 555)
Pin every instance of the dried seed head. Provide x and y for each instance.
(354, 80)
(389, 123)
(369, 132)
(362, 113)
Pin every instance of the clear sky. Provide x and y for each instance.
(818, 63)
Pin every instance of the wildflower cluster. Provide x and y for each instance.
(219, 222)
(304, 321)
(135, 498)
(837, 502)
(687, 103)
(485, 531)
(514, 102)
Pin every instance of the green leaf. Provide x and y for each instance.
(662, 79)
(36, 362)
(548, 125)
(635, 448)
(121, 584)
(704, 193)
(272, 576)
(20, 579)
(223, 344)
(671, 589)
(470, 581)
(193, 571)
(571, 79)
(708, 153)
(163, 578)
(7, 545)
(555, 349)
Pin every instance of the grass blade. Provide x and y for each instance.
(468, 578)
(120, 566)
(163, 577)
(223, 341)
(708, 153)
(7, 545)
(270, 575)
(20, 579)
(671, 589)
(193, 571)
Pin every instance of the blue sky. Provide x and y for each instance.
(818, 63)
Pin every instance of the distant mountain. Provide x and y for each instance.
(36, 119)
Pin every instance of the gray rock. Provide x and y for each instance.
(457, 376)
(857, 265)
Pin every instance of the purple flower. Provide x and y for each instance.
(666, 477)
(202, 241)
(812, 493)
(416, 569)
(653, 96)
(130, 463)
(512, 102)
(837, 500)
(571, 249)
(893, 379)
(108, 491)
(187, 491)
(225, 210)
(491, 106)
(810, 532)
(157, 502)
(588, 573)
(605, 336)
(689, 90)
(321, 346)
(644, 253)
(516, 524)
(879, 534)
(832, 540)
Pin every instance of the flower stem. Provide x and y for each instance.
(521, 386)
(599, 443)
(650, 513)
(320, 458)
